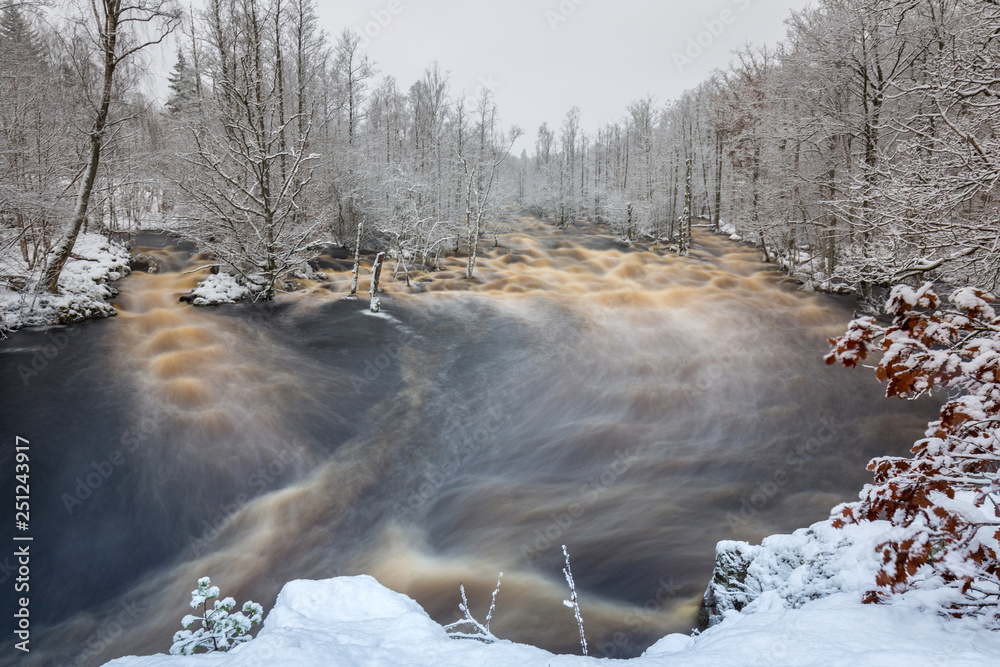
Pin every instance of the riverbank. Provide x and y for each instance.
(803, 608)
(85, 287)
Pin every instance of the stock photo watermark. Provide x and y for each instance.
(380, 20)
(709, 31)
(56, 341)
(121, 620)
(590, 492)
(667, 590)
(562, 13)
(794, 462)
(257, 483)
(100, 471)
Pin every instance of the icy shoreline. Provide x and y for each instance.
(793, 600)
(84, 287)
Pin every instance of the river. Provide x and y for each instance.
(631, 404)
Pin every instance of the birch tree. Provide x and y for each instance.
(481, 171)
(117, 30)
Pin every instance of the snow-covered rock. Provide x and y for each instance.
(84, 287)
(218, 288)
(831, 287)
(809, 564)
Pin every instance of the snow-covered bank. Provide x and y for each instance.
(802, 596)
(84, 287)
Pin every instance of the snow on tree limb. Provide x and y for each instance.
(945, 499)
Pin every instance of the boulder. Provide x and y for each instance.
(729, 588)
(143, 262)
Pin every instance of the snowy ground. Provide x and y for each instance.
(805, 611)
(84, 287)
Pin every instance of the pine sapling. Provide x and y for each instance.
(221, 629)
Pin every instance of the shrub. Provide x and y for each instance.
(221, 629)
(942, 501)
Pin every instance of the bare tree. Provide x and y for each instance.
(481, 173)
(245, 175)
(118, 29)
(354, 69)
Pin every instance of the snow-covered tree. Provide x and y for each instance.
(248, 171)
(481, 166)
(183, 86)
(115, 31)
(220, 627)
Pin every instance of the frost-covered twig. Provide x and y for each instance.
(573, 602)
(493, 603)
(480, 631)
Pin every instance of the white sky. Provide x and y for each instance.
(543, 57)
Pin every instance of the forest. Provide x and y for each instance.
(859, 152)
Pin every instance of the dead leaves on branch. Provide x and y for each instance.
(938, 541)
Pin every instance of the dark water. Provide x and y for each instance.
(636, 407)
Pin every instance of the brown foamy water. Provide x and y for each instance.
(632, 404)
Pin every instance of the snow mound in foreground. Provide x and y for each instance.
(348, 621)
(218, 288)
(83, 287)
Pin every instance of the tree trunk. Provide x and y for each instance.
(376, 304)
(109, 37)
(357, 260)
(718, 181)
(629, 229)
(685, 224)
(473, 250)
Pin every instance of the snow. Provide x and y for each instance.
(83, 286)
(353, 621)
(219, 288)
(833, 288)
(803, 594)
(809, 564)
(968, 299)
(202, 594)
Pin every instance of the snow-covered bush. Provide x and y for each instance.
(809, 564)
(944, 501)
(221, 629)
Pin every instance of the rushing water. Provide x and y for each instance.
(633, 405)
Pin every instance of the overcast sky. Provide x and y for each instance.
(542, 57)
